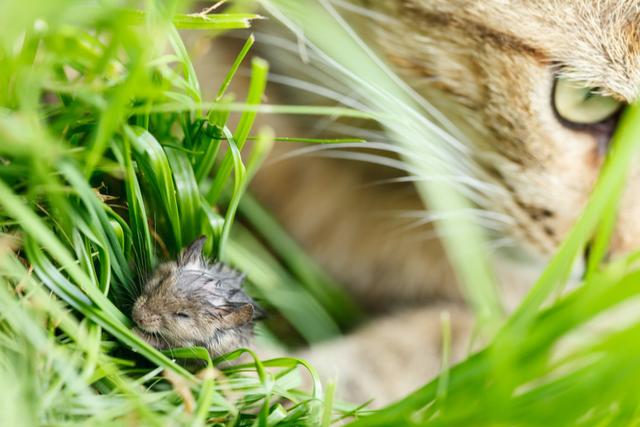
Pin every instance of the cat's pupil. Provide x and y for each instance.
(590, 94)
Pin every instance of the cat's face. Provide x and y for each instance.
(498, 68)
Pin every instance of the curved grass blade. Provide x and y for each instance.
(234, 67)
(153, 161)
(239, 172)
(142, 243)
(187, 194)
(259, 71)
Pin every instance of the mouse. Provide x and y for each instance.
(191, 301)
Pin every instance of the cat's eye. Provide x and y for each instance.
(181, 314)
(582, 105)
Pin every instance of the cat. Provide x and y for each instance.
(537, 87)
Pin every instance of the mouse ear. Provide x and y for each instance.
(240, 316)
(193, 252)
(259, 313)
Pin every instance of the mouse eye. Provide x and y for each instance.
(181, 314)
(581, 105)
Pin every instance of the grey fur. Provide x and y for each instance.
(191, 302)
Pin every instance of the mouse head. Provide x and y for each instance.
(189, 301)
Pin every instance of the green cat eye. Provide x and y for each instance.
(578, 104)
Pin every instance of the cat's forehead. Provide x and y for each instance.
(594, 41)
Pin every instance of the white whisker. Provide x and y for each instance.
(488, 219)
(391, 98)
(482, 186)
(501, 243)
(319, 90)
(466, 212)
(432, 149)
(474, 189)
(359, 132)
(376, 16)
(433, 112)
(328, 79)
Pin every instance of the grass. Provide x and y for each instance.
(110, 160)
(99, 181)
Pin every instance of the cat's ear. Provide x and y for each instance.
(239, 316)
(193, 253)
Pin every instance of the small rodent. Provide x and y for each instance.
(191, 302)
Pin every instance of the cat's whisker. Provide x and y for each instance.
(376, 16)
(368, 158)
(487, 219)
(360, 132)
(501, 243)
(322, 91)
(486, 187)
(496, 243)
(437, 141)
(470, 213)
(436, 150)
(428, 234)
(371, 158)
(312, 149)
(329, 80)
(474, 189)
(448, 131)
(328, 88)
(290, 51)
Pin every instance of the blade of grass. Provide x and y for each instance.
(142, 243)
(187, 194)
(259, 71)
(238, 183)
(234, 67)
(624, 145)
(152, 159)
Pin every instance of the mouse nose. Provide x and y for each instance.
(145, 319)
(136, 316)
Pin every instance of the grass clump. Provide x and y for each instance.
(110, 162)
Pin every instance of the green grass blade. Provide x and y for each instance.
(142, 243)
(625, 144)
(187, 195)
(153, 161)
(259, 71)
(234, 67)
